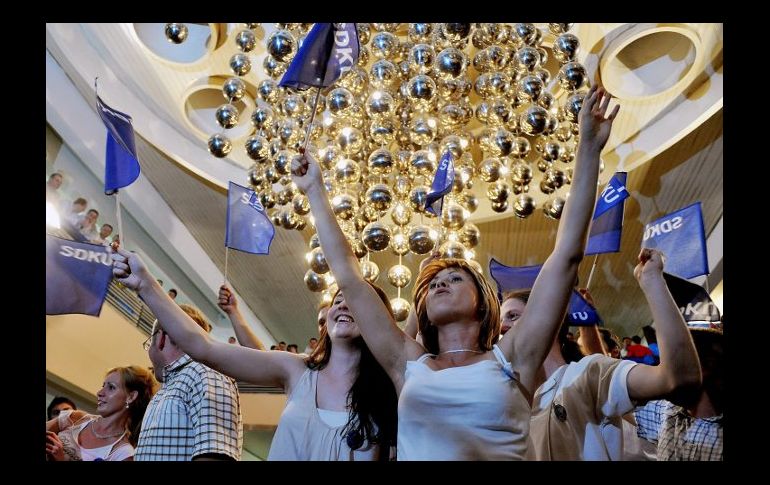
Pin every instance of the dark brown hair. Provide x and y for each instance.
(372, 397)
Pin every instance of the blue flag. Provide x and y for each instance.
(76, 276)
(681, 238)
(613, 194)
(442, 184)
(579, 312)
(607, 224)
(695, 304)
(121, 163)
(249, 229)
(329, 50)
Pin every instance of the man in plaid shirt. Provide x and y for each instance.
(690, 431)
(196, 413)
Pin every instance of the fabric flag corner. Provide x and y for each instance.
(329, 50)
(681, 238)
(579, 311)
(607, 223)
(442, 184)
(121, 162)
(77, 276)
(695, 304)
(249, 229)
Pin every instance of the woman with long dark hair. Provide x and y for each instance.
(462, 394)
(341, 404)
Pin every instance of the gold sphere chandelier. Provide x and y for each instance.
(502, 98)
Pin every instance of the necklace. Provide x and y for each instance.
(103, 437)
(461, 350)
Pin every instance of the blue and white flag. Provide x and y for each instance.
(579, 311)
(613, 194)
(121, 162)
(681, 238)
(442, 184)
(249, 229)
(695, 304)
(329, 50)
(76, 276)
(607, 224)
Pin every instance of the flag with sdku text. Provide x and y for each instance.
(682, 240)
(328, 51)
(76, 276)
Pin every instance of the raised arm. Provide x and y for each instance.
(263, 368)
(679, 368)
(389, 345)
(529, 341)
(229, 304)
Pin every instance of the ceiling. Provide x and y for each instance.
(668, 135)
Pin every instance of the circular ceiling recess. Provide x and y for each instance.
(650, 64)
(200, 108)
(194, 48)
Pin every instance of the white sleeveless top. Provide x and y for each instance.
(303, 435)
(73, 450)
(474, 412)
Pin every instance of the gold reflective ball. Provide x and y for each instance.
(301, 204)
(380, 162)
(399, 275)
(470, 235)
(572, 76)
(233, 89)
(376, 236)
(344, 206)
(399, 243)
(219, 145)
(498, 192)
(452, 249)
(315, 282)
(358, 247)
(318, 261)
(523, 206)
(453, 216)
(347, 171)
(176, 33)
(370, 271)
(257, 148)
(534, 120)
(401, 214)
(417, 198)
(421, 239)
(400, 308)
(240, 64)
(553, 208)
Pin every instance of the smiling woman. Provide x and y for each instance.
(113, 433)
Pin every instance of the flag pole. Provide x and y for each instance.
(227, 252)
(312, 118)
(120, 221)
(121, 234)
(591, 274)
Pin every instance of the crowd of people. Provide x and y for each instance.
(471, 377)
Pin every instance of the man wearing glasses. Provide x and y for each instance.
(196, 413)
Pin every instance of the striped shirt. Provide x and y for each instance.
(195, 412)
(679, 436)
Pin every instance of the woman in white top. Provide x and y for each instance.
(341, 404)
(114, 432)
(463, 399)
(579, 405)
